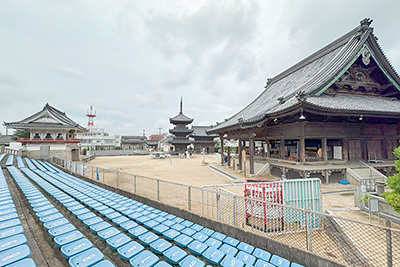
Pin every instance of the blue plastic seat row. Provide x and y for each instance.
(10, 160)
(2, 155)
(13, 248)
(72, 243)
(215, 246)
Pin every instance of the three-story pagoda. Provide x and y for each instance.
(180, 131)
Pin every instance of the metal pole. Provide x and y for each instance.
(103, 176)
(389, 244)
(308, 226)
(158, 190)
(189, 198)
(92, 172)
(134, 184)
(117, 178)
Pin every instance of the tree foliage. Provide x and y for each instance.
(21, 134)
(393, 198)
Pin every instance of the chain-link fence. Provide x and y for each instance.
(343, 240)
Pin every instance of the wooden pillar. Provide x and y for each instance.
(251, 147)
(268, 148)
(240, 147)
(302, 148)
(229, 156)
(324, 149)
(345, 148)
(222, 148)
(282, 149)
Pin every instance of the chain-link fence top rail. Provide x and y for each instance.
(343, 240)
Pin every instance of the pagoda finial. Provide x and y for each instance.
(181, 106)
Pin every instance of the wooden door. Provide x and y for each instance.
(354, 149)
(390, 145)
(374, 149)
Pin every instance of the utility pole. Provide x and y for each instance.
(144, 132)
(159, 138)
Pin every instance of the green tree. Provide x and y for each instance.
(21, 134)
(393, 198)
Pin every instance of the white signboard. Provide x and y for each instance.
(337, 152)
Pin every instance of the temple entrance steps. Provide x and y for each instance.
(261, 169)
(364, 172)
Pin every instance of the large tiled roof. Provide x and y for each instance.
(201, 131)
(355, 103)
(311, 76)
(182, 118)
(48, 117)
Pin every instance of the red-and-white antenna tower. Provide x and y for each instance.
(91, 117)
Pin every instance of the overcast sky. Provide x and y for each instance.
(133, 60)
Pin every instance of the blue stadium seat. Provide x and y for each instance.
(246, 258)
(9, 223)
(160, 245)
(245, 247)
(14, 254)
(294, 264)
(15, 230)
(60, 230)
(214, 256)
(99, 226)
(191, 261)
(142, 219)
(126, 226)
(262, 263)
(262, 254)
(279, 261)
(200, 236)
(171, 234)
(129, 250)
(8, 217)
(144, 259)
(178, 220)
(160, 229)
(148, 238)
(197, 247)
(67, 238)
(230, 261)
(218, 236)
(231, 241)
(137, 231)
(168, 223)
(119, 220)
(178, 227)
(76, 247)
(188, 231)
(105, 263)
(183, 240)
(150, 224)
(228, 250)
(187, 223)
(174, 254)
(108, 233)
(160, 219)
(12, 241)
(118, 241)
(86, 216)
(87, 258)
(28, 262)
(212, 242)
(51, 217)
(162, 264)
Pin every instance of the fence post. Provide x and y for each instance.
(189, 198)
(92, 172)
(103, 175)
(309, 230)
(158, 190)
(234, 210)
(202, 201)
(117, 178)
(389, 244)
(134, 184)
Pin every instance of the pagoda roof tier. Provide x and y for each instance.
(181, 119)
(181, 130)
(350, 74)
(200, 131)
(180, 141)
(48, 118)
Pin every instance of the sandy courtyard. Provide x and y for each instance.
(183, 171)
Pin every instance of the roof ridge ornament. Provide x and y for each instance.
(269, 80)
(300, 95)
(365, 23)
